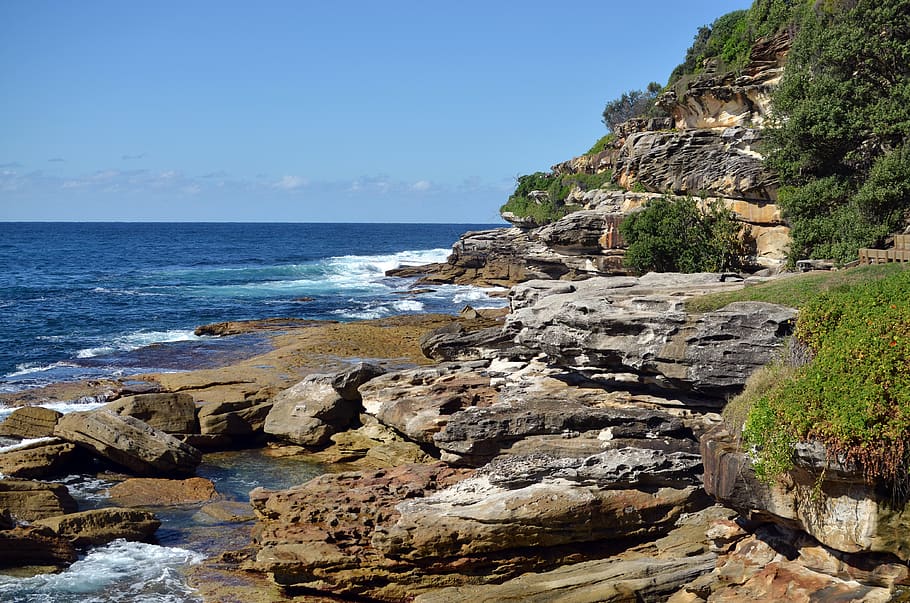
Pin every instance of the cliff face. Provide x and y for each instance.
(709, 149)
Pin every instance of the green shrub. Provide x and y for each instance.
(632, 104)
(854, 395)
(557, 189)
(676, 235)
(602, 144)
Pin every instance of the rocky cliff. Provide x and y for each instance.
(709, 149)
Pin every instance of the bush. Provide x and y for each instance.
(854, 396)
(632, 104)
(676, 235)
(604, 143)
(841, 128)
(553, 205)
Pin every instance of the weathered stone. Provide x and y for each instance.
(30, 501)
(602, 332)
(310, 412)
(418, 402)
(839, 509)
(229, 511)
(34, 545)
(128, 442)
(347, 383)
(101, 526)
(454, 343)
(475, 435)
(170, 413)
(645, 579)
(39, 460)
(155, 492)
(237, 419)
(372, 446)
(30, 422)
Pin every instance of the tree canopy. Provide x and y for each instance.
(840, 140)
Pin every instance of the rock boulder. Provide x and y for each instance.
(128, 442)
(30, 422)
(167, 412)
(101, 526)
(30, 500)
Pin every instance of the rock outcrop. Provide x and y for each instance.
(30, 500)
(101, 526)
(170, 413)
(829, 501)
(30, 422)
(128, 442)
(35, 546)
(39, 459)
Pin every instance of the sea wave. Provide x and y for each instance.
(139, 339)
(121, 571)
(86, 403)
(28, 368)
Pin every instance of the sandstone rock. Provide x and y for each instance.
(318, 534)
(34, 545)
(30, 501)
(418, 402)
(475, 435)
(170, 413)
(599, 330)
(30, 422)
(39, 460)
(841, 511)
(128, 442)
(229, 511)
(101, 526)
(347, 383)
(154, 492)
(236, 419)
(372, 446)
(538, 503)
(309, 412)
(703, 162)
(454, 343)
(645, 580)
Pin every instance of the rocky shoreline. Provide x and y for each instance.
(569, 450)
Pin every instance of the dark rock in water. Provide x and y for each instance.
(34, 545)
(101, 526)
(156, 492)
(30, 422)
(40, 460)
(7, 521)
(128, 442)
(170, 413)
(30, 501)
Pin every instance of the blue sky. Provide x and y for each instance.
(311, 111)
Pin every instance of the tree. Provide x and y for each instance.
(676, 235)
(842, 126)
(634, 103)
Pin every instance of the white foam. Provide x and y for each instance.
(27, 443)
(29, 368)
(122, 571)
(139, 339)
(88, 403)
(408, 305)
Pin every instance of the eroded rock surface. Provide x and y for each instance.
(167, 412)
(30, 500)
(30, 422)
(101, 526)
(128, 442)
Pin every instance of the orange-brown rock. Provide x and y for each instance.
(34, 545)
(30, 422)
(101, 526)
(156, 492)
(30, 500)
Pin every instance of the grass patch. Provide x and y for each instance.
(853, 396)
(797, 289)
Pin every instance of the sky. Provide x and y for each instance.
(306, 111)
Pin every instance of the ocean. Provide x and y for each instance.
(91, 300)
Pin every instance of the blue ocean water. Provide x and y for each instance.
(83, 300)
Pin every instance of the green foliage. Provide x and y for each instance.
(676, 235)
(854, 395)
(552, 206)
(604, 143)
(632, 104)
(842, 127)
(793, 290)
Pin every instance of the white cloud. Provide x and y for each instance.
(422, 186)
(290, 183)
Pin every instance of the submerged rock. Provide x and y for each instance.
(154, 492)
